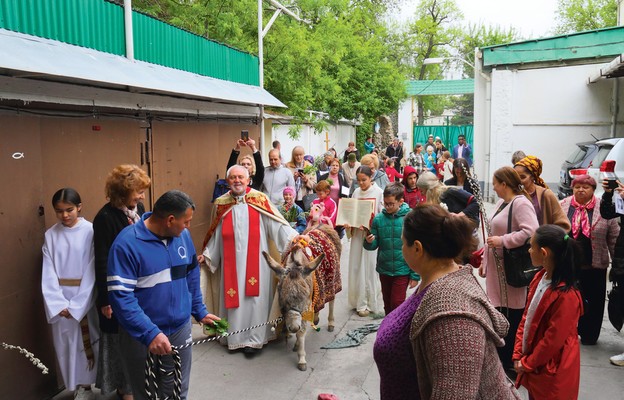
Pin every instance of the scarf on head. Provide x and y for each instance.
(534, 165)
(580, 219)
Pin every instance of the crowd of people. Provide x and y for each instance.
(128, 284)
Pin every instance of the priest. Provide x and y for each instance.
(239, 282)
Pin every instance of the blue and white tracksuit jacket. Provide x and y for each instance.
(153, 287)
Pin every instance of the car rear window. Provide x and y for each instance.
(577, 155)
(601, 156)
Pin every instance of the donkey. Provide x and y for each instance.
(294, 289)
(324, 240)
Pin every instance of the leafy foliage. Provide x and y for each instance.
(337, 64)
(475, 36)
(583, 15)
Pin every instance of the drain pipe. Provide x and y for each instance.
(128, 30)
(615, 106)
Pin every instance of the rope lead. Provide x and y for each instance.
(153, 364)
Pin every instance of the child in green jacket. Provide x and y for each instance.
(385, 235)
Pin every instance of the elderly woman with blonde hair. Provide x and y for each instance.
(125, 190)
(253, 163)
(304, 181)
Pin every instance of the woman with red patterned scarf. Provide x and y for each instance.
(597, 237)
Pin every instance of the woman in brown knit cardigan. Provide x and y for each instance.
(448, 324)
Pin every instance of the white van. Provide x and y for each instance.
(610, 149)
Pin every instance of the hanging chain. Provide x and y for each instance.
(502, 279)
(153, 363)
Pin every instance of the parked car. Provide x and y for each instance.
(574, 165)
(609, 149)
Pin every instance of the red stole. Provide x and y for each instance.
(252, 275)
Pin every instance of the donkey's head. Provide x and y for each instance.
(295, 284)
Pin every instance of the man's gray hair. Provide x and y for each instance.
(173, 202)
(227, 175)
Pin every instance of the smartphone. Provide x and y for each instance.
(245, 135)
(612, 184)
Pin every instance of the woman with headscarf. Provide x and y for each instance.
(596, 236)
(544, 201)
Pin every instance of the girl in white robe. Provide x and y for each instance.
(364, 286)
(67, 283)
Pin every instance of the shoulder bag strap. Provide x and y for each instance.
(509, 216)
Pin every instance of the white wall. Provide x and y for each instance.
(313, 143)
(543, 112)
(406, 127)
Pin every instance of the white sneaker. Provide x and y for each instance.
(83, 394)
(618, 360)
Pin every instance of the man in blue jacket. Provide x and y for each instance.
(153, 287)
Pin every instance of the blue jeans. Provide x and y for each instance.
(135, 354)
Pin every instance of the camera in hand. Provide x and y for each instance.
(245, 135)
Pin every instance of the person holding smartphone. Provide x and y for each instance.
(253, 163)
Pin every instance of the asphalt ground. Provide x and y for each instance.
(349, 373)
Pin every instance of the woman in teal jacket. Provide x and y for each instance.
(385, 235)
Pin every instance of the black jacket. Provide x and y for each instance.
(107, 224)
(341, 180)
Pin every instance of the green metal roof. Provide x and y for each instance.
(448, 87)
(99, 25)
(595, 44)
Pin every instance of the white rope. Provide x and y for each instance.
(153, 364)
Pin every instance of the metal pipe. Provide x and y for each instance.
(615, 106)
(128, 30)
(261, 75)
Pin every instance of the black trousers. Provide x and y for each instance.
(514, 316)
(593, 286)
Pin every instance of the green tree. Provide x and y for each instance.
(475, 36)
(583, 15)
(339, 64)
(432, 34)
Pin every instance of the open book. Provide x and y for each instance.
(356, 212)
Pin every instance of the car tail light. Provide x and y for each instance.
(607, 171)
(607, 166)
(577, 172)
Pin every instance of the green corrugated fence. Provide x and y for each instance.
(448, 134)
(99, 25)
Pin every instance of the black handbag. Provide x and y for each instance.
(519, 270)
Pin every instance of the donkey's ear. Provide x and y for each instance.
(274, 265)
(315, 263)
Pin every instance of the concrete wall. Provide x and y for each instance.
(60, 152)
(337, 136)
(542, 111)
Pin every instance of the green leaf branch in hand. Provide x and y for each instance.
(217, 328)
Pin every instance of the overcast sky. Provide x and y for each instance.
(533, 18)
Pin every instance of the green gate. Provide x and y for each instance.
(448, 134)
